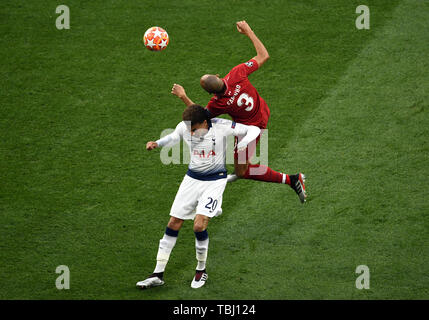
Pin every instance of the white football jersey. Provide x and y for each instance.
(208, 153)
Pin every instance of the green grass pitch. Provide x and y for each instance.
(349, 108)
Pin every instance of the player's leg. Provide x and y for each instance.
(260, 172)
(166, 245)
(245, 170)
(209, 205)
(201, 249)
(201, 240)
(182, 208)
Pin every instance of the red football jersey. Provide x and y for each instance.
(240, 99)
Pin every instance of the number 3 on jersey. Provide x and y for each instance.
(245, 99)
(211, 205)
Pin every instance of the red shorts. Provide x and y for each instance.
(244, 156)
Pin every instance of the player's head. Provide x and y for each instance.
(197, 120)
(212, 83)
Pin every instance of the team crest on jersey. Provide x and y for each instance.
(233, 124)
(249, 64)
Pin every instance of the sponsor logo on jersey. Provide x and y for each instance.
(249, 64)
(203, 154)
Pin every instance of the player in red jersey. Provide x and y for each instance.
(236, 96)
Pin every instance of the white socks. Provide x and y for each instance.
(201, 248)
(166, 245)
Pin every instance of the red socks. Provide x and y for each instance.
(263, 173)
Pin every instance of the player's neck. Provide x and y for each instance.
(223, 91)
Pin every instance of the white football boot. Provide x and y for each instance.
(199, 279)
(152, 281)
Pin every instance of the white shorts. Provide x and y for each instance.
(198, 197)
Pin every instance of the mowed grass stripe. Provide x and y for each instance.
(365, 152)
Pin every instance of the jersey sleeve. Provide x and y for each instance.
(239, 129)
(250, 133)
(245, 69)
(174, 137)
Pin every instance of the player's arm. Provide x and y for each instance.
(180, 92)
(169, 140)
(250, 133)
(261, 52)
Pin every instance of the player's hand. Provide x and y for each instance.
(151, 145)
(243, 27)
(241, 147)
(178, 90)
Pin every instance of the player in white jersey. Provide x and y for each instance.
(199, 197)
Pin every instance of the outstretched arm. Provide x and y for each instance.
(169, 140)
(179, 91)
(261, 52)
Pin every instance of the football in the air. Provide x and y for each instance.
(156, 39)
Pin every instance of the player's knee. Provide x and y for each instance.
(199, 226)
(240, 171)
(175, 223)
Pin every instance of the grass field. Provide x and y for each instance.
(349, 107)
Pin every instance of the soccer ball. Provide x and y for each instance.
(155, 39)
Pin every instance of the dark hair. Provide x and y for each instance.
(195, 114)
